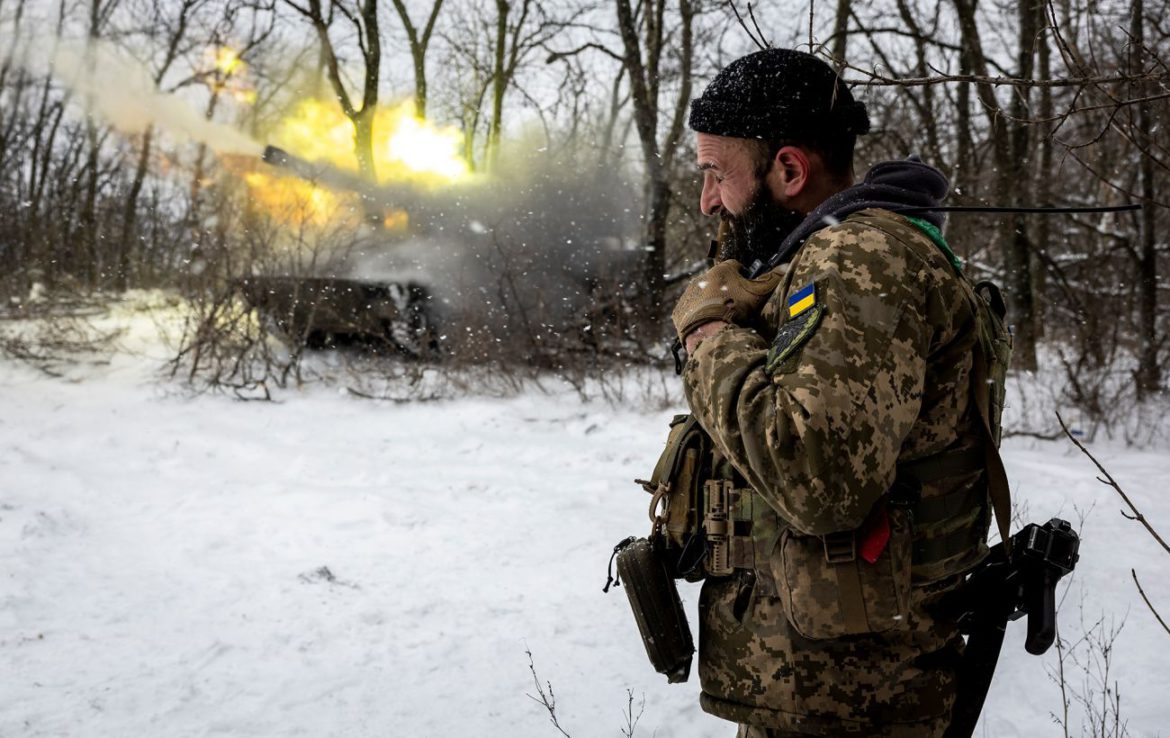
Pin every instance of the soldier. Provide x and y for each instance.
(840, 388)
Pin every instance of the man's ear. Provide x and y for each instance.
(790, 171)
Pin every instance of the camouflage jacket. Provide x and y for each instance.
(815, 412)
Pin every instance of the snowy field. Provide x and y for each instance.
(333, 566)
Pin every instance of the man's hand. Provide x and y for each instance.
(704, 331)
(719, 296)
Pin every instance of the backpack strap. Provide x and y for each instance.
(997, 481)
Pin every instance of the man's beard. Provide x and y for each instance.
(757, 232)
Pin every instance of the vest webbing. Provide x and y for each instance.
(985, 456)
(927, 511)
(997, 482)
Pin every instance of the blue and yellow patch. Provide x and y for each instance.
(804, 315)
(802, 299)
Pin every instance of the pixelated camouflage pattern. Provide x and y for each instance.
(755, 668)
(884, 378)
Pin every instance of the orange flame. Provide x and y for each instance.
(406, 148)
(294, 201)
(228, 73)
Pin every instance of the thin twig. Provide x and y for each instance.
(1150, 605)
(631, 718)
(811, 8)
(757, 41)
(1107, 479)
(1040, 435)
(1064, 700)
(752, 14)
(549, 699)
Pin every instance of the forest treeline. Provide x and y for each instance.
(1035, 103)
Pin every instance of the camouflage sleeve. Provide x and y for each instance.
(818, 435)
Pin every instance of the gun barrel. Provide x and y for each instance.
(315, 172)
(276, 156)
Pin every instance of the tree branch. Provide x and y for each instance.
(559, 55)
(1109, 481)
(1142, 592)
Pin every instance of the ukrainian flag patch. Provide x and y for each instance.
(802, 299)
(791, 336)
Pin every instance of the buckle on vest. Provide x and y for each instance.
(840, 547)
(717, 527)
(906, 492)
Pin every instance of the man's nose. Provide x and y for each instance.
(709, 201)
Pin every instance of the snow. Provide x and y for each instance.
(327, 565)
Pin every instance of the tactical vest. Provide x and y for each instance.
(918, 541)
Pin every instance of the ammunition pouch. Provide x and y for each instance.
(676, 502)
(704, 517)
(657, 608)
(830, 586)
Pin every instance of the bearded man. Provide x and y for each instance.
(846, 406)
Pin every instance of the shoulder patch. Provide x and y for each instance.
(793, 334)
(802, 299)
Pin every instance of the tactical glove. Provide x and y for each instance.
(723, 293)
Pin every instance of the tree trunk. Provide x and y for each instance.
(963, 176)
(130, 212)
(841, 34)
(418, 49)
(1043, 180)
(657, 159)
(1010, 151)
(361, 117)
(88, 215)
(499, 85)
(196, 191)
(1149, 372)
(1019, 251)
(363, 143)
(658, 210)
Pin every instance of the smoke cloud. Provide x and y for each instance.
(121, 91)
(540, 241)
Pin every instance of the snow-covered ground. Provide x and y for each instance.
(327, 565)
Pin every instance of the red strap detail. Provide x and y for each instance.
(874, 534)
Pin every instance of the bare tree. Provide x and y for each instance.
(492, 49)
(362, 19)
(93, 232)
(646, 44)
(1011, 154)
(174, 22)
(418, 50)
(1149, 371)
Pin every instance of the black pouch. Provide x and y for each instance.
(657, 608)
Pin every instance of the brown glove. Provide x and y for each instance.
(722, 293)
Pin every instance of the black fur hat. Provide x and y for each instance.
(777, 94)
